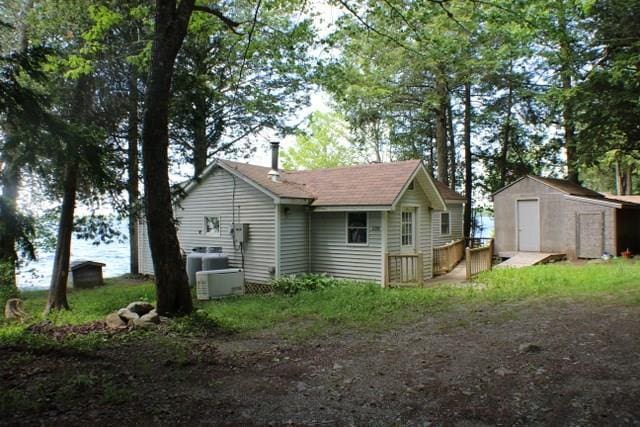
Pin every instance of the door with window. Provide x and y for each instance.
(408, 230)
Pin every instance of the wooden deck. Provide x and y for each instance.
(527, 259)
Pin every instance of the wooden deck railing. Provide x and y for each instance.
(448, 256)
(479, 259)
(403, 268)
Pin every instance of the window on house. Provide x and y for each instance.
(445, 223)
(212, 226)
(407, 227)
(357, 227)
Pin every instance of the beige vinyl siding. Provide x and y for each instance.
(213, 197)
(331, 254)
(294, 240)
(144, 250)
(455, 218)
(417, 199)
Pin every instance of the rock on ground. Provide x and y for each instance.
(140, 307)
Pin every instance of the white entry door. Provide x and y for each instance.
(528, 223)
(408, 230)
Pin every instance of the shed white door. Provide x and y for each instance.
(590, 235)
(528, 223)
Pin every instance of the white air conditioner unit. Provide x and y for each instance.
(219, 283)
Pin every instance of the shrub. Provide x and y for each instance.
(291, 285)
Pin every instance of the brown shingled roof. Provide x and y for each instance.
(447, 193)
(372, 184)
(258, 174)
(634, 199)
(568, 187)
(367, 185)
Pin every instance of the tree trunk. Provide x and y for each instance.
(10, 179)
(133, 184)
(452, 146)
(441, 131)
(618, 172)
(506, 139)
(566, 56)
(468, 177)
(172, 288)
(10, 183)
(200, 143)
(628, 181)
(58, 289)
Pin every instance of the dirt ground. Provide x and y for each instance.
(467, 367)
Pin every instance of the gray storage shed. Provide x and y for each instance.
(535, 214)
(85, 274)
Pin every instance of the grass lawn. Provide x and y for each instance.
(358, 305)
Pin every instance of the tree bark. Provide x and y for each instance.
(133, 183)
(468, 172)
(81, 104)
(58, 289)
(452, 146)
(441, 131)
(172, 288)
(566, 74)
(10, 183)
(10, 178)
(506, 139)
(200, 143)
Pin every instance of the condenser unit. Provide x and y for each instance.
(219, 283)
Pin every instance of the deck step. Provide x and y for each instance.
(527, 259)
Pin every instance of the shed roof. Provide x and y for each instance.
(376, 184)
(84, 263)
(577, 191)
(625, 198)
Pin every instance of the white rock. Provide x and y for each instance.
(127, 314)
(140, 307)
(151, 317)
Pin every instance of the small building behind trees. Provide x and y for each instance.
(535, 214)
(85, 274)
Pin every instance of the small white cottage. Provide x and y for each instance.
(346, 222)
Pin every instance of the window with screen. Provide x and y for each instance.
(445, 224)
(212, 226)
(357, 227)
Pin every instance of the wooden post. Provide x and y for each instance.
(386, 270)
(467, 260)
(420, 269)
(490, 254)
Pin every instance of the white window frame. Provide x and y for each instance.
(414, 213)
(213, 232)
(346, 229)
(448, 214)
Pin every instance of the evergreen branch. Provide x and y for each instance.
(230, 23)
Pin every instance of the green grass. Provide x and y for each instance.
(358, 305)
(88, 305)
(618, 280)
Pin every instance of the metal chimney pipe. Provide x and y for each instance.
(274, 172)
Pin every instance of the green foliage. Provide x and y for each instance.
(292, 284)
(198, 322)
(324, 145)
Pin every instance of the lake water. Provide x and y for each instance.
(37, 274)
